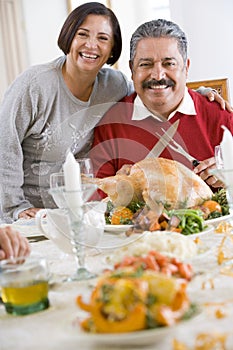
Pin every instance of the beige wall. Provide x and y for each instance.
(209, 27)
(13, 52)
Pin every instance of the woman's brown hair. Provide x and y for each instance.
(78, 16)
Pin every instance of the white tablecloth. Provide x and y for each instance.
(56, 327)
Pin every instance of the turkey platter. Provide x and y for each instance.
(158, 182)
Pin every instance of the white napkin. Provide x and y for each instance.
(94, 220)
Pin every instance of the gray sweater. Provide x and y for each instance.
(40, 120)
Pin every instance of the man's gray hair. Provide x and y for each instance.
(156, 29)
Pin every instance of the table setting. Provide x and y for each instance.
(81, 266)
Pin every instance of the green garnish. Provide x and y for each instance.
(191, 220)
(221, 197)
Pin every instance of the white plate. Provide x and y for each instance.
(116, 228)
(113, 241)
(27, 227)
(140, 338)
(123, 228)
(207, 230)
(217, 221)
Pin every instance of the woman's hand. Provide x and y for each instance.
(202, 171)
(12, 243)
(214, 96)
(28, 213)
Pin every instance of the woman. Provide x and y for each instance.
(45, 96)
(55, 106)
(12, 243)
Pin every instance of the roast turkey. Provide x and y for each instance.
(158, 182)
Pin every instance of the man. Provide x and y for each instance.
(159, 66)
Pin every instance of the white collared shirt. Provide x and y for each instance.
(186, 106)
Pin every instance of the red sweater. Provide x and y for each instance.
(118, 140)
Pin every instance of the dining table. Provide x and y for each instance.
(58, 327)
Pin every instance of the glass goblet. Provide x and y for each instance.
(226, 177)
(86, 167)
(57, 182)
(75, 214)
(218, 157)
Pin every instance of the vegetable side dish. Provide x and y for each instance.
(184, 220)
(124, 301)
(158, 262)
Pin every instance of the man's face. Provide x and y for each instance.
(159, 74)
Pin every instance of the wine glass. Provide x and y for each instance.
(75, 214)
(218, 157)
(226, 177)
(86, 167)
(57, 182)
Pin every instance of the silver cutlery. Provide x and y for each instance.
(163, 141)
(34, 239)
(175, 146)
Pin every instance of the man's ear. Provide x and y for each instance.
(187, 66)
(131, 68)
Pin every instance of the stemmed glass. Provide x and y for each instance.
(223, 175)
(57, 182)
(86, 167)
(226, 177)
(75, 203)
(218, 157)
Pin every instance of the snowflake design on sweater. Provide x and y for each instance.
(78, 135)
(45, 137)
(49, 141)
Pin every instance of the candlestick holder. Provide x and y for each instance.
(75, 202)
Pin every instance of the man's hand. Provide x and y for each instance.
(125, 169)
(202, 171)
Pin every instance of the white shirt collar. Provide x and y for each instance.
(186, 106)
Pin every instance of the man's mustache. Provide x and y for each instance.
(153, 83)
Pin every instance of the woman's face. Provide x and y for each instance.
(92, 44)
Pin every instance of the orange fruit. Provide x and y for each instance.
(212, 206)
(121, 215)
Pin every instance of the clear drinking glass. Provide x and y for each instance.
(24, 284)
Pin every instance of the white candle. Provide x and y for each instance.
(72, 178)
(227, 154)
(227, 149)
